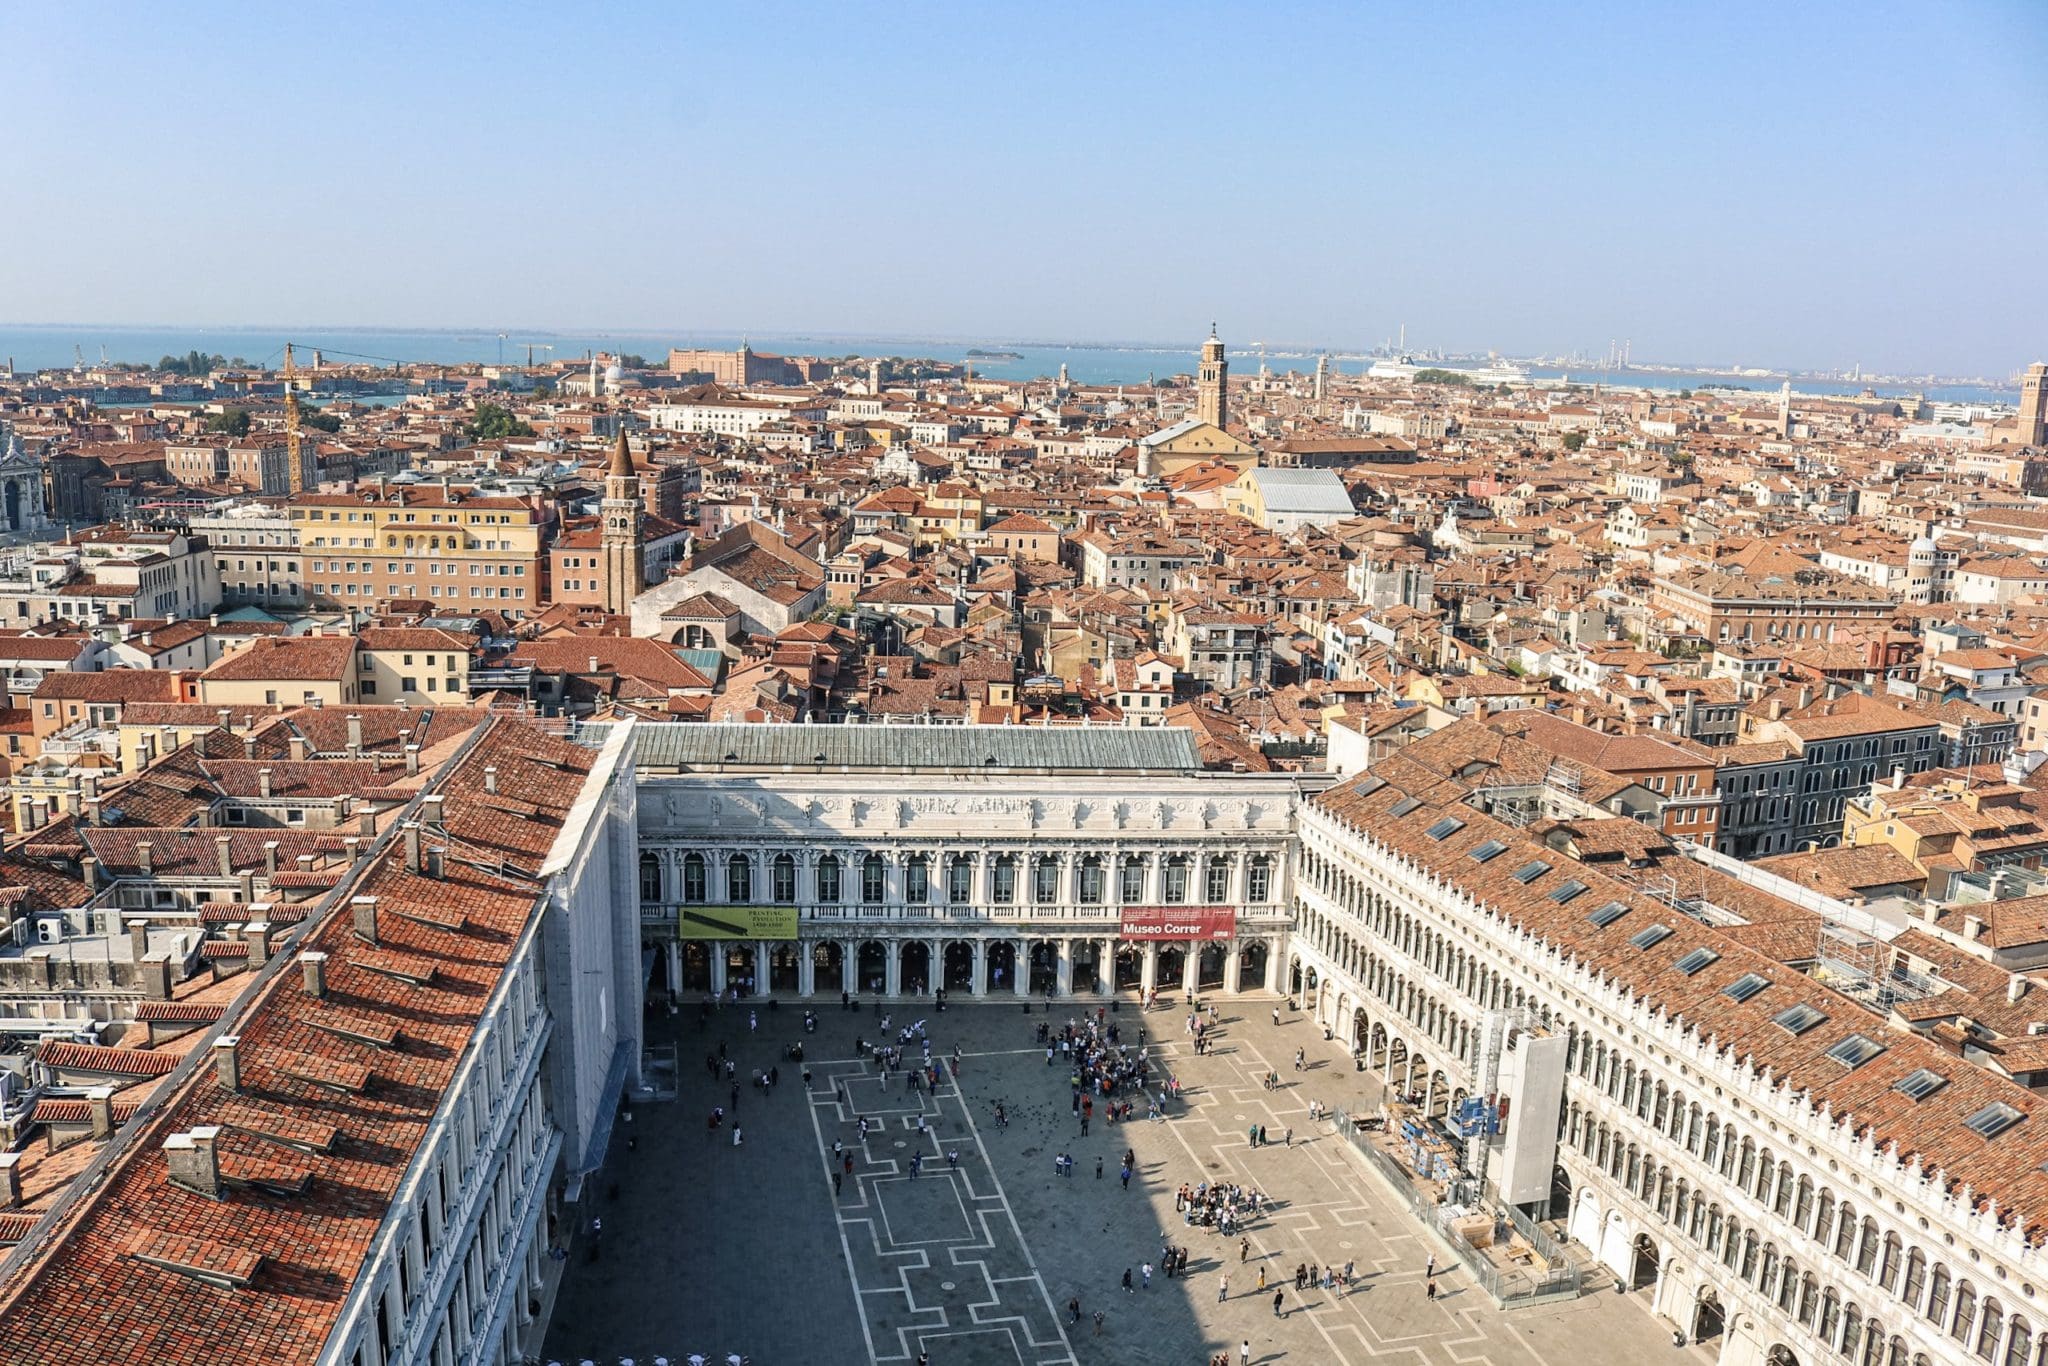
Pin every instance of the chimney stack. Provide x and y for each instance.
(412, 759)
(263, 783)
(364, 908)
(144, 857)
(2015, 988)
(195, 1161)
(227, 1061)
(257, 933)
(10, 1181)
(225, 845)
(89, 872)
(101, 1101)
(138, 938)
(314, 964)
(355, 737)
(302, 749)
(491, 779)
(433, 810)
(353, 846)
(270, 848)
(223, 715)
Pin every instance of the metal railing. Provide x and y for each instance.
(1509, 1286)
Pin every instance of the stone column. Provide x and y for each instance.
(892, 983)
(1191, 967)
(849, 967)
(980, 987)
(1275, 965)
(675, 966)
(1064, 980)
(1148, 973)
(762, 980)
(806, 968)
(1233, 967)
(717, 956)
(1020, 967)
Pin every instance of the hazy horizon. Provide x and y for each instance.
(1805, 187)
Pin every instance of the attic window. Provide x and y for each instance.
(1745, 986)
(1566, 891)
(1920, 1083)
(1697, 959)
(1445, 828)
(1529, 872)
(1994, 1119)
(1796, 1020)
(1489, 850)
(230, 1268)
(1369, 784)
(1405, 805)
(1855, 1050)
(1606, 915)
(1650, 936)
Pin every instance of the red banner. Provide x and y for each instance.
(1179, 922)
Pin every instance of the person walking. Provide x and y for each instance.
(1262, 1278)
(1276, 1014)
(1279, 1298)
(1432, 1288)
(1287, 1136)
(1429, 1268)
(1074, 1310)
(1098, 1323)
(735, 1134)
(1098, 1168)
(1127, 1280)
(1126, 1178)
(1146, 1269)
(1244, 1250)
(1223, 1290)
(1244, 1353)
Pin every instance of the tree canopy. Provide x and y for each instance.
(193, 364)
(229, 421)
(1435, 376)
(493, 423)
(1574, 440)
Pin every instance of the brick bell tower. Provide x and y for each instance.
(624, 555)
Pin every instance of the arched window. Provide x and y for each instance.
(739, 879)
(874, 881)
(1916, 1278)
(917, 880)
(2020, 1345)
(1888, 1264)
(1258, 883)
(1809, 1298)
(1802, 1212)
(1852, 1331)
(1937, 1296)
(1788, 1286)
(1866, 1247)
(783, 878)
(828, 879)
(1990, 1327)
(1045, 881)
(1176, 890)
(650, 878)
(1090, 880)
(1216, 881)
(1002, 881)
(1966, 1312)
(693, 877)
(960, 880)
(1131, 881)
(1830, 1314)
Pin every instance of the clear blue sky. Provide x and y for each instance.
(1779, 183)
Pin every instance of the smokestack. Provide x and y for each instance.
(412, 759)
(314, 964)
(491, 779)
(364, 908)
(227, 1061)
(89, 872)
(10, 1181)
(257, 933)
(412, 846)
(263, 782)
(302, 749)
(145, 857)
(194, 1160)
(138, 938)
(225, 845)
(355, 737)
(270, 848)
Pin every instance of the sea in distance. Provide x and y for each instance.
(58, 346)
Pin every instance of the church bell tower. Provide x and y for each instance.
(1212, 383)
(623, 553)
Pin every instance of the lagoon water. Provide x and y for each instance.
(34, 347)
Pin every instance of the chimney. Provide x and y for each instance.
(89, 872)
(412, 759)
(263, 782)
(593, 663)
(225, 846)
(1777, 708)
(491, 779)
(227, 1061)
(314, 964)
(302, 749)
(364, 909)
(2015, 988)
(248, 747)
(355, 737)
(257, 933)
(138, 938)
(145, 857)
(1973, 928)
(270, 848)
(194, 1160)
(1805, 696)
(353, 847)
(92, 810)
(368, 823)
(10, 1181)
(412, 846)
(101, 1100)
(223, 715)
(156, 976)
(1898, 776)
(433, 810)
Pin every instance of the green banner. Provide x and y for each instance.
(736, 922)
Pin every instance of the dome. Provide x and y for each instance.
(1925, 545)
(614, 373)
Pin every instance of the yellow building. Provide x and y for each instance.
(290, 672)
(412, 664)
(425, 542)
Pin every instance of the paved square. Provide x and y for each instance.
(975, 1258)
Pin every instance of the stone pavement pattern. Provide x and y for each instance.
(713, 1248)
